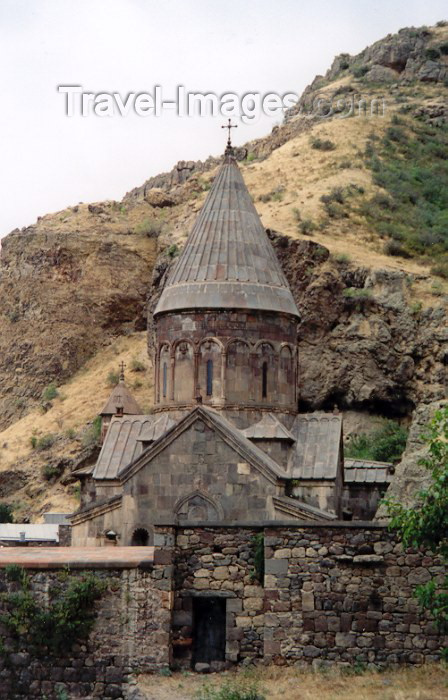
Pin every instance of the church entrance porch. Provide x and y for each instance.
(209, 630)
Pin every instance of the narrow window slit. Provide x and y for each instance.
(264, 380)
(209, 377)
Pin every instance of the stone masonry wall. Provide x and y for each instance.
(131, 630)
(337, 593)
(218, 562)
(345, 594)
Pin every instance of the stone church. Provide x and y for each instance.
(224, 442)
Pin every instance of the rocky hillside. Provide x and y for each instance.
(356, 208)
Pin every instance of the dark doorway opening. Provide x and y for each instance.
(209, 630)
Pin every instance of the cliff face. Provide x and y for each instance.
(373, 336)
(64, 293)
(370, 350)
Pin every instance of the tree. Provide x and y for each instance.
(426, 523)
(6, 513)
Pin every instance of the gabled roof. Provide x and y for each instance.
(228, 432)
(151, 432)
(268, 428)
(228, 260)
(364, 471)
(317, 449)
(121, 445)
(121, 396)
(299, 509)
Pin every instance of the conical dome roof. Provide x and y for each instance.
(228, 261)
(121, 396)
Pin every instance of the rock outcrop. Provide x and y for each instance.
(379, 354)
(63, 295)
(410, 475)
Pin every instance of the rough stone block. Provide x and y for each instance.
(282, 553)
(253, 604)
(344, 640)
(307, 601)
(276, 566)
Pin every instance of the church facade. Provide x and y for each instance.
(225, 442)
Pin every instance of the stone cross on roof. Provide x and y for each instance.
(229, 126)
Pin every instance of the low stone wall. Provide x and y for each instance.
(131, 631)
(345, 594)
(333, 593)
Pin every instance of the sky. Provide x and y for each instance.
(51, 161)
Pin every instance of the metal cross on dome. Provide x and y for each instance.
(122, 366)
(229, 126)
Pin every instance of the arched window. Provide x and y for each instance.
(209, 370)
(140, 537)
(264, 380)
(184, 372)
(164, 380)
(209, 377)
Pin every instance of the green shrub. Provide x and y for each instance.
(172, 251)
(360, 71)
(6, 515)
(150, 227)
(92, 435)
(50, 392)
(342, 258)
(443, 48)
(415, 307)
(13, 315)
(137, 365)
(383, 201)
(113, 378)
(273, 196)
(52, 472)
(386, 444)
(395, 133)
(296, 214)
(432, 53)
(411, 167)
(43, 443)
(356, 293)
(395, 249)
(68, 618)
(307, 226)
(251, 156)
(322, 144)
(440, 270)
(436, 289)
